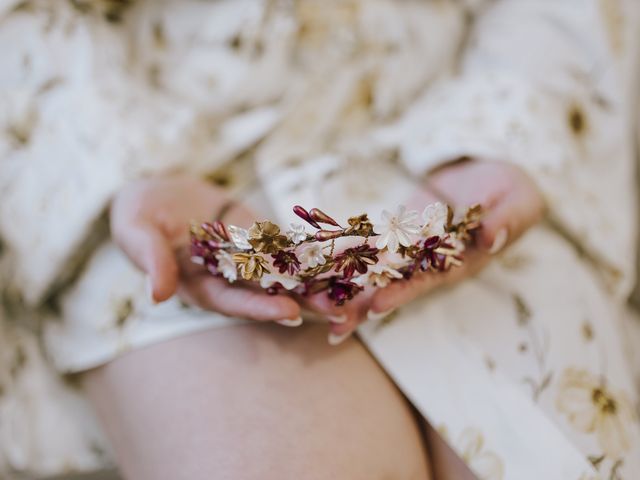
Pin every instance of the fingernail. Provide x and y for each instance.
(499, 241)
(375, 316)
(336, 339)
(338, 319)
(296, 322)
(149, 288)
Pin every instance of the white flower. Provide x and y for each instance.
(378, 276)
(396, 229)
(297, 233)
(239, 237)
(227, 266)
(312, 256)
(435, 219)
(270, 279)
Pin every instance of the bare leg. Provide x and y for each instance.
(446, 465)
(256, 402)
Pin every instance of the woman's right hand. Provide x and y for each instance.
(150, 223)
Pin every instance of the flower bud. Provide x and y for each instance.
(324, 235)
(303, 214)
(321, 217)
(220, 230)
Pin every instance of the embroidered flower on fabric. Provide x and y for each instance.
(484, 463)
(592, 407)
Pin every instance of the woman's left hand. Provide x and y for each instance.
(512, 205)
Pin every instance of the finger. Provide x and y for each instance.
(320, 303)
(151, 251)
(398, 293)
(509, 217)
(355, 313)
(218, 295)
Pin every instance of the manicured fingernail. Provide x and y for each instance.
(336, 339)
(499, 241)
(296, 322)
(375, 316)
(149, 288)
(338, 319)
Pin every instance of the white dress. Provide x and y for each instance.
(341, 105)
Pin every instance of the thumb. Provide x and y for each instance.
(151, 251)
(509, 218)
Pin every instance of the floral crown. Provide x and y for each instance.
(306, 263)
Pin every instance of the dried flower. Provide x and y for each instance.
(250, 265)
(226, 266)
(378, 276)
(435, 217)
(312, 256)
(466, 227)
(286, 262)
(360, 225)
(297, 234)
(396, 229)
(340, 290)
(265, 237)
(274, 280)
(356, 259)
(439, 253)
(239, 237)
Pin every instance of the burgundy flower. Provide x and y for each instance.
(203, 252)
(341, 290)
(426, 256)
(356, 259)
(438, 254)
(286, 262)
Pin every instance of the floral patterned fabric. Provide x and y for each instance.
(340, 104)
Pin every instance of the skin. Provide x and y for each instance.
(256, 402)
(361, 425)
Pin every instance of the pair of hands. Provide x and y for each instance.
(149, 221)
